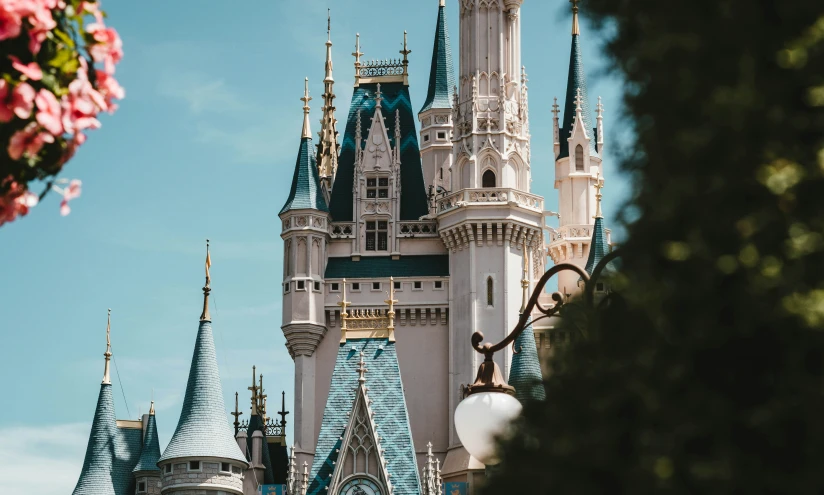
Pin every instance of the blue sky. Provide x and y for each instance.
(204, 146)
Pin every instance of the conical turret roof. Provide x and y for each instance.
(96, 475)
(203, 429)
(150, 453)
(576, 80)
(442, 73)
(525, 373)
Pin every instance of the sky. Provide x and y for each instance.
(204, 146)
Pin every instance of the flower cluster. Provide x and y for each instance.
(57, 66)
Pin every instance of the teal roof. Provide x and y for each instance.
(598, 247)
(525, 372)
(441, 74)
(305, 192)
(256, 424)
(430, 265)
(203, 429)
(576, 79)
(96, 475)
(150, 452)
(127, 452)
(413, 201)
(389, 405)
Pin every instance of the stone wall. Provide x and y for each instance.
(208, 481)
(153, 485)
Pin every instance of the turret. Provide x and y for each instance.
(436, 114)
(146, 472)
(578, 165)
(525, 371)
(305, 221)
(202, 454)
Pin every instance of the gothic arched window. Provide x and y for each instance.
(488, 179)
(579, 158)
(490, 291)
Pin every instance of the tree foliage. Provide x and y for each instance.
(705, 376)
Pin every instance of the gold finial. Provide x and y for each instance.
(108, 354)
(307, 132)
(575, 28)
(391, 313)
(262, 399)
(343, 312)
(599, 184)
(204, 316)
(357, 54)
(254, 390)
(362, 369)
(405, 52)
(443, 3)
(237, 414)
(525, 279)
(151, 409)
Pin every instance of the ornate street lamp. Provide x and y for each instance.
(490, 404)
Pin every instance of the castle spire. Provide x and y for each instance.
(108, 354)
(576, 80)
(307, 132)
(204, 316)
(442, 73)
(327, 155)
(598, 246)
(306, 191)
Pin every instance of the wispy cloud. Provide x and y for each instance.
(202, 94)
(44, 459)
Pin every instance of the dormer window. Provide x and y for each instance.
(377, 187)
(377, 235)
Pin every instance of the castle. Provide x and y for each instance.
(400, 241)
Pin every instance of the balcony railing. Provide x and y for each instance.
(418, 229)
(492, 197)
(342, 230)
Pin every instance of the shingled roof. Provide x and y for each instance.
(441, 74)
(413, 200)
(427, 265)
(150, 452)
(96, 475)
(525, 372)
(389, 405)
(203, 429)
(576, 80)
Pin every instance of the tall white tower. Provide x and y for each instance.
(578, 168)
(489, 216)
(305, 220)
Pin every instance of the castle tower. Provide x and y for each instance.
(304, 218)
(202, 455)
(578, 166)
(328, 144)
(490, 222)
(146, 472)
(436, 114)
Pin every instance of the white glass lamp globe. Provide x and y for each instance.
(482, 416)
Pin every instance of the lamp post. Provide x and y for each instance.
(490, 404)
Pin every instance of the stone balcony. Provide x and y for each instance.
(493, 196)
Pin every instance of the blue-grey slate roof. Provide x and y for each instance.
(150, 452)
(428, 265)
(598, 247)
(441, 74)
(127, 452)
(386, 391)
(203, 429)
(96, 475)
(525, 372)
(305, 192)
(413, 200)
(575, 80)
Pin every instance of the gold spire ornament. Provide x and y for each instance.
(362, 369)
(525, 279)
(254, 390)
(307, 132)
(575, 28)
(204, 316)
(152, 409)
(107, 380)
(599, 184)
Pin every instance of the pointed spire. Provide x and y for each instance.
(291, 473)
(575, 28)
(598, 246)
(405, 52)
(304, 485)
(96, 475)
(254, 390)
(525, 372)
(306, 191)
(151, 409)
(599, 184)
(362, 370)
(237, 414)
(204, 316)
(307, 132)
(599, 126)
(150, 453)
(357, 54)
(327, 156)
(203, 415)
(576, 80)
(107, 380)
(441, 73)
(378, 97)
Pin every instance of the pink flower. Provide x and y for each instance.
(10, 21)
(109, 46)
(29, 141)
(93, 9)
(70, 193)
(6, 113)
(109, 89)
(49, 112)
(22, 100)
(18, 201)
(32, 70)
